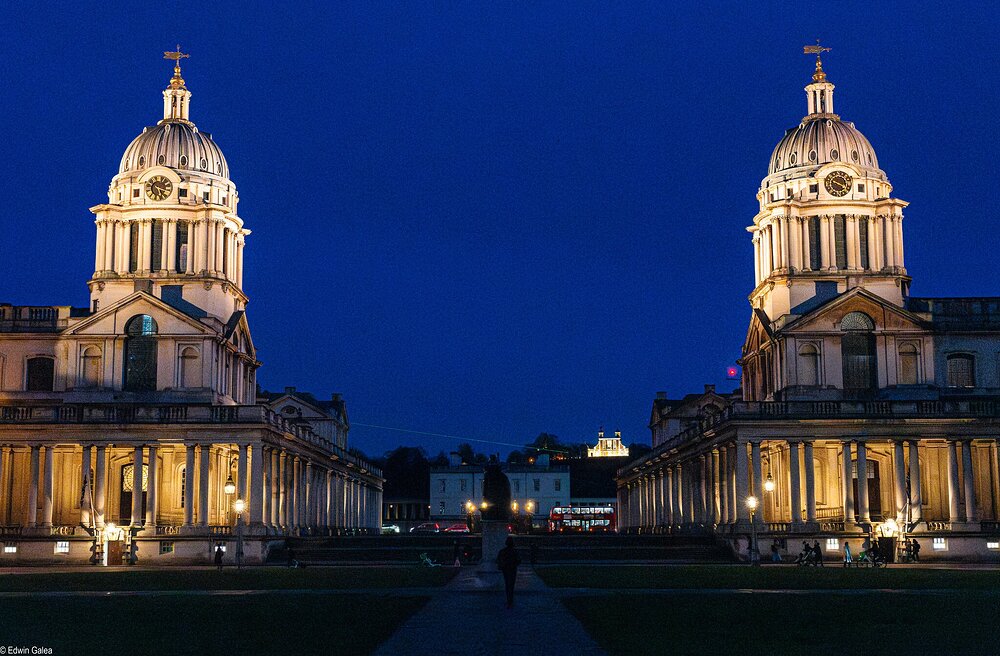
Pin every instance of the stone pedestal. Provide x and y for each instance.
(494, 536)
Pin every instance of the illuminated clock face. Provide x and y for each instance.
(158, 187)
(838, 183)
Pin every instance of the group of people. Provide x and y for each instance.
(808, 556)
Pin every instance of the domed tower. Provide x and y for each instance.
(170, 226)
(827, 222)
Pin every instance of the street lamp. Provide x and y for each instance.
(752, 506)
(230, 486)
(239, 506)
(769, 483)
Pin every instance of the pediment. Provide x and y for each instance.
(302, 409)
(112, 319)
(828, 317)
(758, 332)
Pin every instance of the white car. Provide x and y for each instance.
(390, 529)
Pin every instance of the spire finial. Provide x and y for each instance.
(818, 75)
(176, 82)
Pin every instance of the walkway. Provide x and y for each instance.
(468, 618)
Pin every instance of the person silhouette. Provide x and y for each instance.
(508, 560)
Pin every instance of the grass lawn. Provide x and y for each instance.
(766, 578)
(269, 623)
(774, 623)
(257, 578)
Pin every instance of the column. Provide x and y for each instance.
(239, 263)
(99, 483)
(968, 476)
(32, 508)
(195, 248)
(703, 467)
(146, 244)
(899, 241)
(804, 234)
(136, 519)
(170, 239)
(824, 243)
(256, 492)
(99, 253)
(682, 517)
(795, 498)
(668, 502)
(241, 473)
(265, 485)
(742, 484)
(151, 488)
(689, 492)
(850, 235)
(205, 450)
(723, 482)
(110, 242)
(916, 503)
(189, 485)
(794, 225)
(275, 471)
(810, 482)
(953, 485)
(328, 501)
(756, 260)
(832, 243)
(734, 501)
(164, 243)
(296, 486)
(758, 478)
(847, 479)
(873, 264)
(865, 516)
(899, 478)
(48, 481)
(716, 515)
(87, 485)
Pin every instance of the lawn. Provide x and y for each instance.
(269, 623)
(774, 623)
(257, 578)
(766, 578)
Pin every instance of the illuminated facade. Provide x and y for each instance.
(608, 447)
(140, 411)
(865, 407)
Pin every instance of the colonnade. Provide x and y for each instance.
(784, 243)
(710, 489)
(209, 245)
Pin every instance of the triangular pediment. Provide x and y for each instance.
(112, 319)
(302, 409)
(828, 317)
(758, 332)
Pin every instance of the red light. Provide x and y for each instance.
(732, 372)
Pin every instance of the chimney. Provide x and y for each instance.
(289, 390)
(454, 460)
(336, 397)
(661, 395)
(709, 389)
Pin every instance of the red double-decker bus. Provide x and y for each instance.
(599, 519)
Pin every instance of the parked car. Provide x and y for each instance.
(457, 528)
(426, 527)
(390, 529)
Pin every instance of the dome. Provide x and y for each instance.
(178, 145)
(822, 140)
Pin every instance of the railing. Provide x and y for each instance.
(9, 531)
(63, 530)
(829, 513)
(938, 526)
(831, 526)
(779, 527)
(990, 527)
(167, 530)
(220, 529)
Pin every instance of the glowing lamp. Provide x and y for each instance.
(769, 483)
(513, 506)
(752, 503)
(239, 505)
(483, 505)
(230, 486)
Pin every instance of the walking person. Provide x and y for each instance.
(507, 561)
(775, 556)
(817, 554)
(457, 553)
(218, 556)
(915, 550)
(848, 561)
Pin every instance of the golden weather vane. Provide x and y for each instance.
(819, 75)
(176, 55)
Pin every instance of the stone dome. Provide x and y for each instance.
(176, 144)
(821, 140)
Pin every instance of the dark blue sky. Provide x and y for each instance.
(492, 219)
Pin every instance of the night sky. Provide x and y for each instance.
(490, 220)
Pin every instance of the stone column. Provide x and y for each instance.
(795, 498)
(916, 503)
(742, 484)
(256, 491)
(968, 476)
(137, 516)
(275, 517)
(328, 520)
(677, 508)
(205, 450)
(265, 485)
(703, 466)
(714, 486)
(899, 478)
(87, 485)
(47, 488)
(282, 490)
(850, 235)
(863, 484)
(170, 242)
(241, 473)
(668, 499)
(807, 455)
(296, 490)
(873, 263)
(734, 501)
(953, 485)
(758, 480)
(31, 511)
(723, 484)
(848, 481)
(189, 485)
(99, 485)
(824, 243)
(151, 496)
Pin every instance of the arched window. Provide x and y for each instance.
(908, 364)
(808, 365)
(189, 367)
(41, 374)
(90, 367)
(140, 354)
(961, 370)
(858, 352)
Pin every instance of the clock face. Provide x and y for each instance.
(158, 187)
(838, 183)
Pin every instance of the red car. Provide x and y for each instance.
(457, 528)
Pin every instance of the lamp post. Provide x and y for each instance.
(752, 506)
(239, 506)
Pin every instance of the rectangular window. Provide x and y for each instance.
(788, 192)
(135, 193)
(62, 547)
(993, 545)
(814, 189)
(961, 371)
(182, 193)
(840, 239)
(166, 548)
(156, 259)
(558, 484)
(538, 484)
(861, 188)
(441, 508)
(863, 239)
(205, 196)
(9, 548)
(940, 544)
(814, 243)
(441, 484)
(832, 544)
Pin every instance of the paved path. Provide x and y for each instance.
(468, 617)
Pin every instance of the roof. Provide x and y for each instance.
(957, 313)
(335, 406)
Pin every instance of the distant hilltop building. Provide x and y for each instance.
(608, 447)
